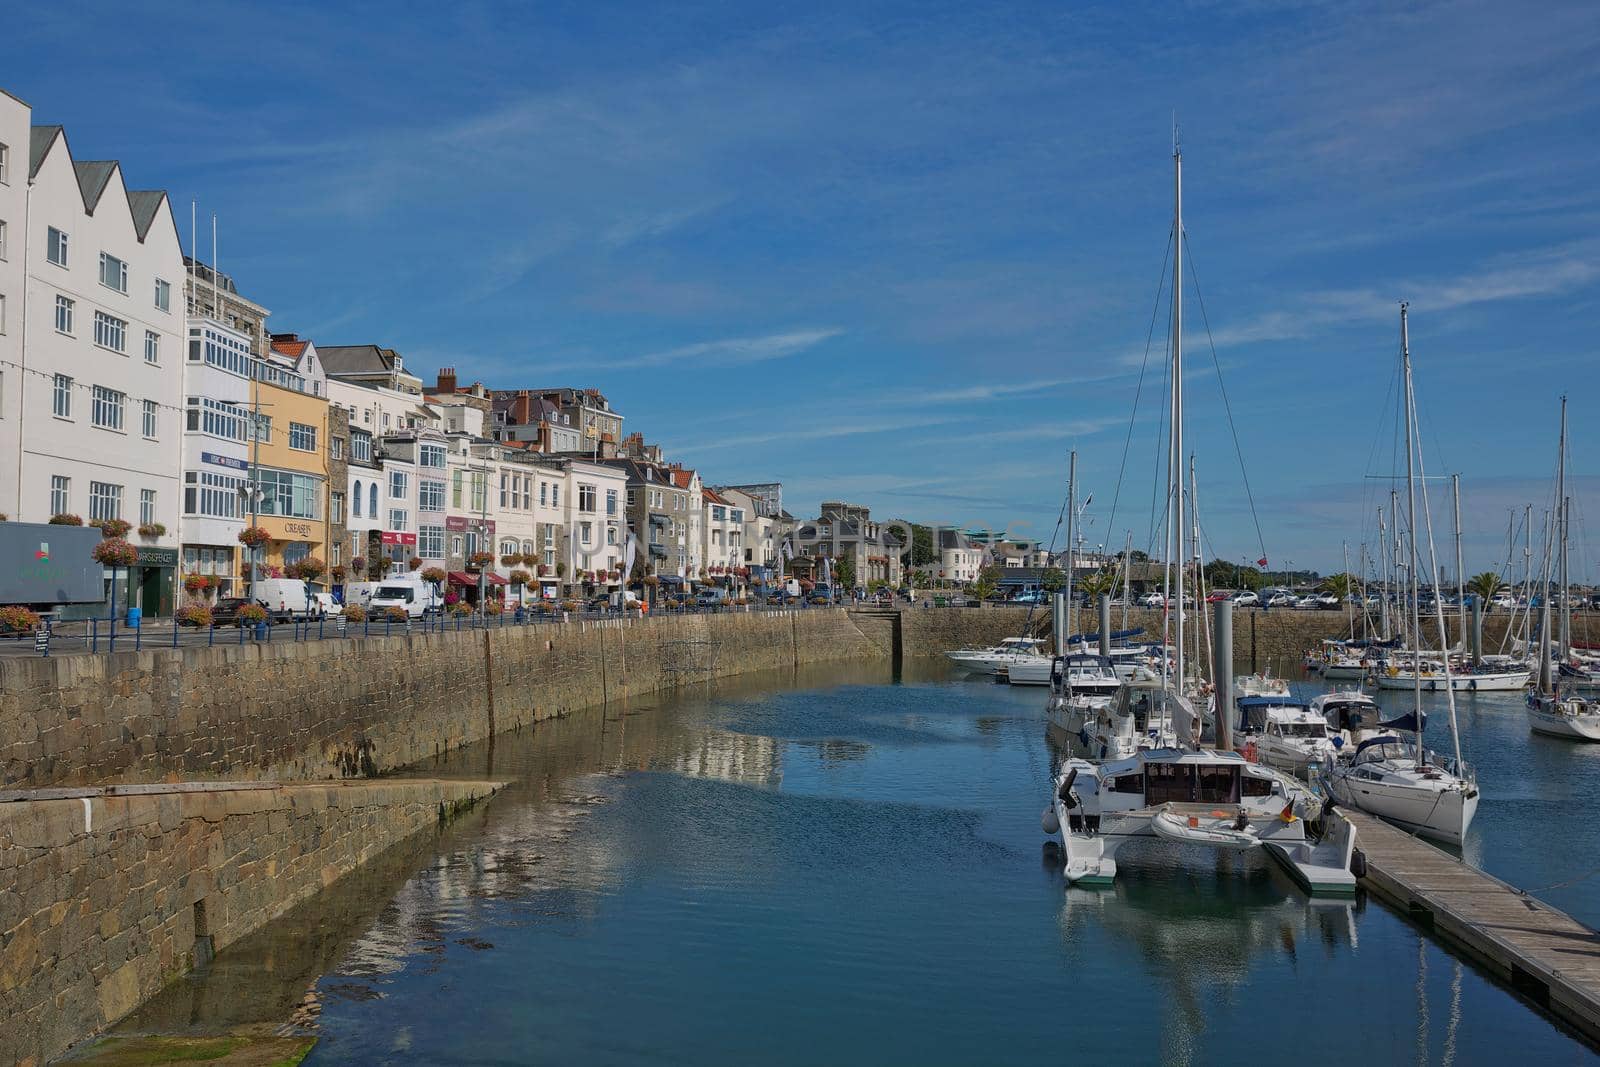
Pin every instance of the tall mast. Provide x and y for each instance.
(1564, 504)
(1461, 581)
(1349, 612)
(1394, 549)
(1072, 515)
(1415, 592)
(1175, 465)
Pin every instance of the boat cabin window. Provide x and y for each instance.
(1126, 783)
(1302, 729)
(1255, 787)
(1188, 783)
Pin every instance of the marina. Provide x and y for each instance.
(832, 864)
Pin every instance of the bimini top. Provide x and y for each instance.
(1271, 702)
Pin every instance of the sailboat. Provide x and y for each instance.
(1549, 712)
(1185, 793)
(1402, 782)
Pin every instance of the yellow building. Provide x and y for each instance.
(289, 454)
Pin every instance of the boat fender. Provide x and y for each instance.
(1358, 863)
(1049, 823)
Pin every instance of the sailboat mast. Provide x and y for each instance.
(1414, 590)
(1461, 581)
(1564, 504)
(1175, 464)
(1072, 516)
(1394, 553)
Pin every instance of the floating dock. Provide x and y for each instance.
(1542, 952)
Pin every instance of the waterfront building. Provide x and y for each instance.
(217, 372)
(549, 420)
(846, 533)
(211, 294)
(90, 341)
(533, 421)
(655, 507)
(373, 365)
(722, 526)
(288, 455)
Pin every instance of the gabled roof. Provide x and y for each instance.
(92, 178)
(682, 478)
(357, 359)
(294, 349)
(713, 497)
(144, 204)
(40, 138)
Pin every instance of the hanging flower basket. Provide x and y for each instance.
(310, 569)
(358, 564)
(511, 559)
(152, 530)
(254, 536)
(337, 574)
(434, 575)
(252, 615)
(115, 552)
(651, 580)
(544, 570)
(561, 570)
(520, 577)
(479, 560)
(114, 527)
(196, 583)
(64, 519)
(414, 563)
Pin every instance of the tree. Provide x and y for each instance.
(845, 572)
(1053, 579)
(1340, 585)
(988, 581)
(1484, 586)
(1098, 584)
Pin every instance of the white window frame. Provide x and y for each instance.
(61, 397)
(148, 419)
(147, 507)
(163, 295)
(65, 307)
(118, 269)
(57, 243)
(152, 347)
(105, 501)
(60, 494)
(2, 238)
(107, 407)
(110, 332)
(305, 433)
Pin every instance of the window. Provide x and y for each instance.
(302, 437)
(527, 492)
(227, 421)
(633, 497)
(2, 313)
(717, 513)
(336, 447)
(113, 272)
(56, 247)
(107, 409)
(480, 491)
(611, 502)
(219, 496)
(163, 295)
(289, 495)
(397, 519)
(430, 495)
(455, 490)
(263, 424)
(105, 501)
(455, 545)
(2, 239)
(431, 456)
(338, 554)
(355, 501)
(147, 506)
(555, 495)
(543, 498)
(63, 315)
(152, 347)
(397, 484)
(372, 500)
(149, 418)
(336, 504)
(430, 542)
(5, 164)
(586, 497)
(361, 447)
(110, 332)
(58, 494)
(611, 535)
(61, 397)
(505, 489)
(587, 529)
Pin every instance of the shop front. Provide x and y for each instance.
(398, 547)
(288, 541)
(151, 581)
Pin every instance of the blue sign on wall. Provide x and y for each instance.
(224, 461)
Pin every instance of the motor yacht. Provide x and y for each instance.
(1284, 733)
(1009, 651)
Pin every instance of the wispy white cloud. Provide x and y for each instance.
(726, 352)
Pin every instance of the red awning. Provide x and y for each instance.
(471, 580)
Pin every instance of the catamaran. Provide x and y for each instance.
(1185, 793)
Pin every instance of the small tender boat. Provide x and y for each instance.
(1215, 829)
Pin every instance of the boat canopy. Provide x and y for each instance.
(1407, 722)
(1116, 635)
(1383, 739)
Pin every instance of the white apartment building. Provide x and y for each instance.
(763, 530)
(216, 449)
(595, 524)
(723, 533)
(91, 329)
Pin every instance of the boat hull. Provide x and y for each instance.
(1507, 682)
(1440, 815)
(1572, 727)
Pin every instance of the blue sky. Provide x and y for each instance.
(907, 254)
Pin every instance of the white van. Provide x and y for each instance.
(416, 596)
(359, 593)
(286, 598)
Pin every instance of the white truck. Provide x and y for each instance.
(290, 598)
(415, 596)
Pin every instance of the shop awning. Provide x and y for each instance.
(469, 580)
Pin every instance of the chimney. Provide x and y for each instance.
(447, 380)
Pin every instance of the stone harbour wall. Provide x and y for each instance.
(284, 710)
(106, 898)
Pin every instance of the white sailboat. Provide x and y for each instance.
(1185, 793)
(1549, 712)
(1402, 783)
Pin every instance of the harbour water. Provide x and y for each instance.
(832, 866)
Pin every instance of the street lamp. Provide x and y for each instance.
(250, 493)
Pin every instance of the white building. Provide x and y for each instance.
(722, 533)
(92, 323)
(216, 449)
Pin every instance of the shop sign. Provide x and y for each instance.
(299, 529)
(224, 461)
(459, 524)
(393, 537)
(157, 557)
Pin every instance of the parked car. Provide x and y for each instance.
(1246, 599)
(1327, 602)
(1152, 600)
(711, 597)
(1217, 596)
(1307, 602)
(225, 612)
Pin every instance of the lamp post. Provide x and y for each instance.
(250, 493)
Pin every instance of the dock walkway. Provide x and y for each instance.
(1542, 952)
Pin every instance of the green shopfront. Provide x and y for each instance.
(152, 580)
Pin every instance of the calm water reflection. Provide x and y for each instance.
(826, 868)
